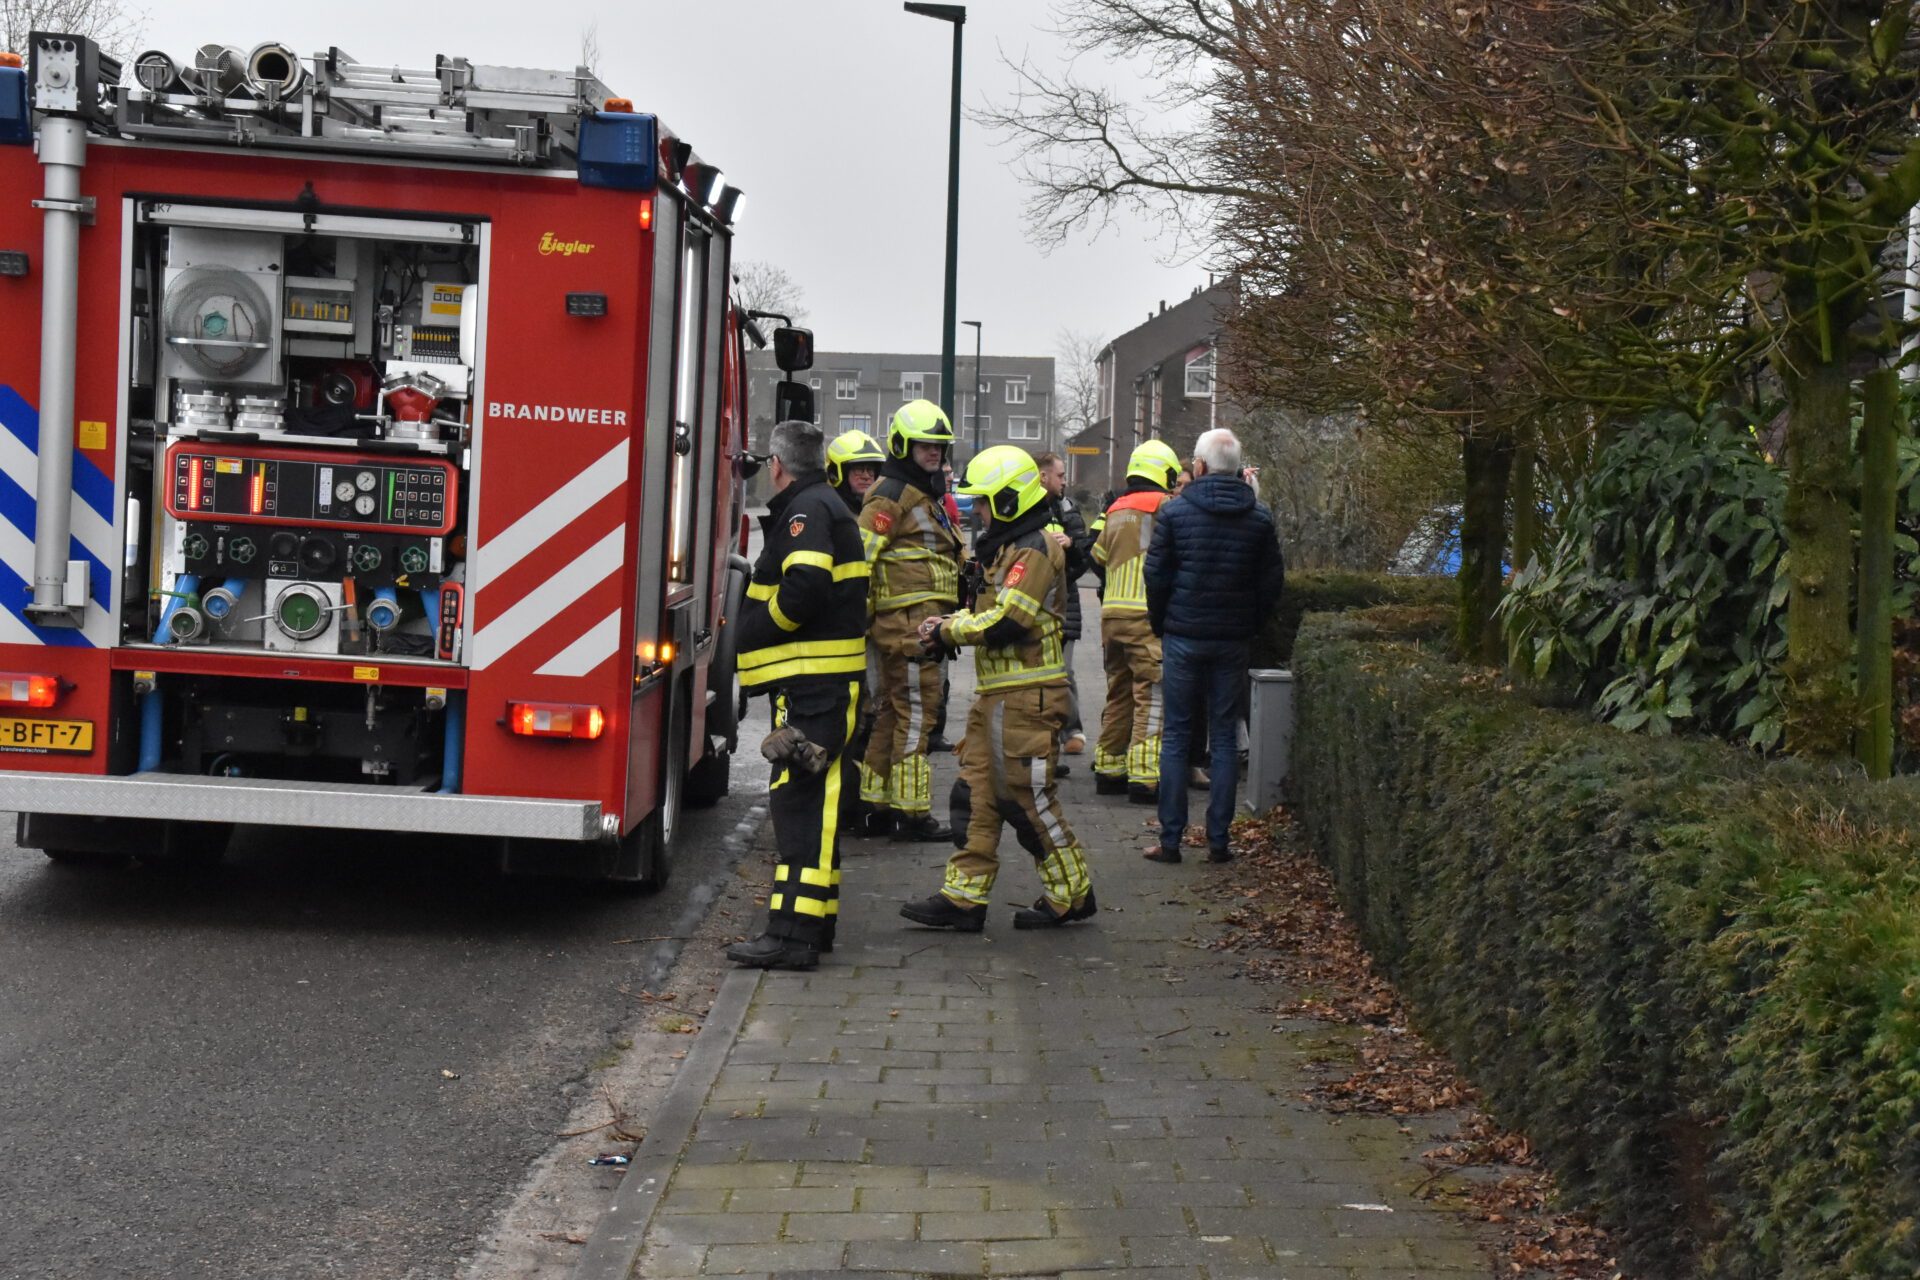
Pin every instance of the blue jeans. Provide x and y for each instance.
(1196, 673)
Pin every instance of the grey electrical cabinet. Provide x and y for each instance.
(1269, 738)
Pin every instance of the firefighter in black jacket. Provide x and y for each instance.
(803, 640)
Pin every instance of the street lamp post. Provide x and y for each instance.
(957, 15)
(976, 382)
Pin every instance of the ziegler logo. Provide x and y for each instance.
(551, 244)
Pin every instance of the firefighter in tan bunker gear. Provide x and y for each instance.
(1011, 749)
(915, 553)
(1127, 757)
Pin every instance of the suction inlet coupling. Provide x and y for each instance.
(220, 602)
(384, 613)
(184, 599)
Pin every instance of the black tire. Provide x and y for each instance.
(709, 781)
(726, 703)
(654, 838)
(88, 859)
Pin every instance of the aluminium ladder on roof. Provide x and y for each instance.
(456, 110)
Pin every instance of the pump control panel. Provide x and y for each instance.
(350, 491)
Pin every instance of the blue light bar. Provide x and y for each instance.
(16, 123)
(620, 149)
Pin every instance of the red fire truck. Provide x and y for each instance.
(368, 457)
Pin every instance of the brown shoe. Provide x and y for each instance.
(1075, 744)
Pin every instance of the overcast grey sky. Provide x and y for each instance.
(830, 114)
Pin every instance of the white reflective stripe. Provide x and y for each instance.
(13, 630)
(913, 707)
(997, 750)
(1153, 711)
(503, 634)
(1043, 806)
(555, 512)
(94, 531)
(16, 551)
(589, 651)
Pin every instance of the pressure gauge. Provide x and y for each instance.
(364, 504)
(366, 480)
(344, 491)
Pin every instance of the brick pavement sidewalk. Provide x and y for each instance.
(1104, 1097)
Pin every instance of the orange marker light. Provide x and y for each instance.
(12, 60)
(622, 105)
(666, 651)
(556, 720)
(21, 690)
(646, 214)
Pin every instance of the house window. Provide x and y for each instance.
(814, 383)
(1023, 428)
(984, 426)
(1156, 417)
(913, 386)
(846, 388)
(856, 422)
(1200, 375)
(1017, 391)
(1140, 423)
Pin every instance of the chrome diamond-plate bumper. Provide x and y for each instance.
(274, 803)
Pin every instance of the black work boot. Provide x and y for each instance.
(876, 820)
(1106, 784)
(919, 828)
(1041, 915)
(1141, 793)
(942, 912)
(769, 951)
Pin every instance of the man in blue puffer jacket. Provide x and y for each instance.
(1213, 574)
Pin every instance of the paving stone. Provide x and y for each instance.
(773, 1259)
(717, 1228)
(792, 1200)
(686, 1199)
(1036, 1257)
(849, 1226)
(1013, 1224)
(734, 1175)
(921, 1257)
(1182, 1250)
(828, 1174)
(923, 1199)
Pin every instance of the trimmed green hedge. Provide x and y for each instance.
(1337, 591)
(1691, 976)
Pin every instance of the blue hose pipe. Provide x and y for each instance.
(150, 736)
(384, 613)
(183, 586)
(219, 602)
(456, 742)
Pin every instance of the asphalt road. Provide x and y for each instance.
(243, 1074)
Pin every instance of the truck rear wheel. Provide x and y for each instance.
(649, 846)
(709, 781)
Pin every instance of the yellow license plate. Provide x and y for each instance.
(46, 735)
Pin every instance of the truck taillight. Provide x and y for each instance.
(19, 690)
(555, 720)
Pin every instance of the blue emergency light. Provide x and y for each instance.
(16, 123)
(620, 149)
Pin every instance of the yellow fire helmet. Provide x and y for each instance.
(847, 448)
(1155, 460)
(918, 421)
(1008, 478)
